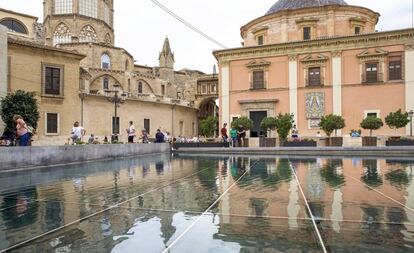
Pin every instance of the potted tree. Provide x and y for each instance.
(208, 128)
(268, 124)
(371, 123)
(332, 123)
(246, 124)
(397, 120)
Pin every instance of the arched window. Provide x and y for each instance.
(14, 25)
(105, 83)
(63, 6)
(88, 34)
(88, 8)
(105, 61)
(62, 35)
(139, 87)
(108, 39)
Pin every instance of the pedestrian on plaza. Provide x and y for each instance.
(242, 136)
(167, 137)
(144, 136)
(159, 137)
(224, 133)
(233, 135)
(131, 132)
(22, 131)
(77, 133)
(295, 132)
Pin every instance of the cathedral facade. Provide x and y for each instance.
(79, 74)
(313, 58)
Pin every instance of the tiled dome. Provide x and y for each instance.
(282, 5)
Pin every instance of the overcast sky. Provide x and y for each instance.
(141, 26)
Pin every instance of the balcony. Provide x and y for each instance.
(372, 78)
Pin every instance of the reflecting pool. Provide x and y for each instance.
(190, 203)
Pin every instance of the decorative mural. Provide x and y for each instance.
(315, 105)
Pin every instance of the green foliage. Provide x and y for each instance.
(371, 123)
(330, 174)
(208, 126)
(268, 123)
(397, 120)
(398, 178)
(330, 123)
(20, 103)
(284, 123)
(243, 121)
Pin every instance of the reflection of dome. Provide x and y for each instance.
(282, 5)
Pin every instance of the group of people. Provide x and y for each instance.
(237, 136)
(160, 137)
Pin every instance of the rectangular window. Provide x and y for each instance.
(357, 30)
(306, 33)
(204, 90)
(258, 79)
(52, 81)
(115, 125)
(260, 40)
(371, 72)
(163, 90)
(52, 123)
(181, 128)
(139, 88)
(63, 6)
(88, 8)
(314, 76)
(372, 114)
(213, 88)
(105, 84)
(394, 68)
(147, 125)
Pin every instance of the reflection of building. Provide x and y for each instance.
(71, 61)
(312, 58)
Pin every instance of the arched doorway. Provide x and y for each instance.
(208, 108)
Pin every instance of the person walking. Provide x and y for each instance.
(159, 137)
(224, 133)
(131, 132)
(77, 133)
(22, 131)
(233, 135)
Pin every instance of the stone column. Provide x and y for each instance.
(337, 84)
(3, 67)
(409, 80)
(293, 86)
(225, 94)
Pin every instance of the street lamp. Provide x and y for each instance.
(411, 113)
(118, 97)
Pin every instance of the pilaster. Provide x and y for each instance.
(409, 80)
(337, 84)
(293, 86)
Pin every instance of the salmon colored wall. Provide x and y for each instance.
(302, 70)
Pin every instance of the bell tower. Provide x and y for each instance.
(166, 58)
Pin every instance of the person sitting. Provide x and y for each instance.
(91, 139)
(295, 132)
(159, 137)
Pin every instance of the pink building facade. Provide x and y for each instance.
(313, 58)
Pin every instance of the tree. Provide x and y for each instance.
(397, 120)
(208, 126)
(371, 123)
(268, 123)
(330, 123)
(20, 103)
(284, 123)
(242, 121)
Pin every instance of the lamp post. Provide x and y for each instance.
(410, 114)
(118, 97)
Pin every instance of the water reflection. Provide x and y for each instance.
(262, 209)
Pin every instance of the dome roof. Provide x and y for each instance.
(282, 5)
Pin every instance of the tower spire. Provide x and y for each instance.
(166, 58)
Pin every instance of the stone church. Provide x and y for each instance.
(72, 63)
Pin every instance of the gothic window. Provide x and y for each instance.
(63, 6)
(105, 61)
(105, 83)
(394, 68)
(14, 25)
(258, 79)
(108, 39)
(88, 34)
(139, 87)
(163, 90)
(88, 8)
(62, 35)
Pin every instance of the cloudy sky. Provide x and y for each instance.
(141, 26)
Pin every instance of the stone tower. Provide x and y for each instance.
(166, 58)
(72, 21)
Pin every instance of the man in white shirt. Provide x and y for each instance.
(131, 132)
(77, 132)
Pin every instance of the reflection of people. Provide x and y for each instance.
(145, 169)
(159, 167)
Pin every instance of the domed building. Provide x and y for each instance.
(312, 58)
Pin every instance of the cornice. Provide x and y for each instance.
(334, 44)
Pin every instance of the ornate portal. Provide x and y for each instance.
(315, 105)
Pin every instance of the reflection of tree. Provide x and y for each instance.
(371, 176)
(329, 173)
(207, 173)
(398, 178)
(372, 216)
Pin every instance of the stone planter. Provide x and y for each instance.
(334, 141)
(267, 142)
(299, 144)
(368, 141)
(246, 143)
(400, 142)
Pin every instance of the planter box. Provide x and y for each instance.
(369, 141)
(201, 145)
(299, 144)
(246, 143)
(393, 143)
(334, 141)
(267, 142)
